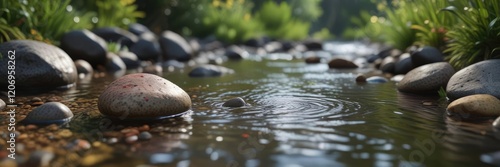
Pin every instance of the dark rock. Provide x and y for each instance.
(404, 64)
(234, 102)
(145, 136)
(313, 60)
(339, 63)
(85, 45)
(388, 65)
(478, 78)
(376, 79)
(147, 47)
(49, 113)
(313, 45)
(38, 66)
(255, 42)
(40, 158)
(115, 63)
(236, 53)
(130, 59)
(138, 29)
(174, 47)
(361, 78)
(426, 55)
(287, 45)
(83, 67)
(209, 70)
(372, 58)
(389, 51)
(427, 78)
(143, 96)
(117, 35)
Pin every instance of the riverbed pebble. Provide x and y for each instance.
(234, 102)
(209, 70)
(49, 113)
(376, 79)
(478, 78)
(143, 96)
(475, 105)
(339, 63)
(427, 78)
(2, 104)
(145, 136)
(426, 55)
(360, 78)
(83, 67)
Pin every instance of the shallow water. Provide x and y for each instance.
(297, 115)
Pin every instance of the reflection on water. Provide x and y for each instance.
(302, 115)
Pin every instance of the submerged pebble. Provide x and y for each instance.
(376, 79)
(49, 113)
(234, 102)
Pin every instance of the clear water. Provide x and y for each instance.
(299, 115)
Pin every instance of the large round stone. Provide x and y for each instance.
(478, 78)
(427, 78)
(85, 45)
(37, 66)
(475, 105)
(143, 96)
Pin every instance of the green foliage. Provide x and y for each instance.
(38, 19)
(278, 22)
(322, 34)
(110, 13)
(477, 37)
(306, 10)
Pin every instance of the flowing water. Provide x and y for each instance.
(300, 114)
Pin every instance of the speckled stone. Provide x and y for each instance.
(339, 63)
(37, 66)
(49, 113)
(427, 78)
(143, 96)
(234, 102)
(476, 105)
(478, 78)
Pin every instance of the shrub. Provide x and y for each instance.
(477, 37)
(278, 22)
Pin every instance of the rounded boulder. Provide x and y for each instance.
(478, 78)
(49, 113)
(143, 96)
(35, 66)
(484, 105)
(427, 78)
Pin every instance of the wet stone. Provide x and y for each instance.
(49, 113)
(427, 78)
(360, 78)
(339, 63)
(129, 96)
(234, 102)
(145, 136)
(2, 104)
(376, 79)
(475, 105)
(83, 67)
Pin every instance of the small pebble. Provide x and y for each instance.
(360, 78)
(144, 128)
(234, 102)
(145, 136)
(65, 133)
(112, 140)
(49, 113)
(131, 139)
(376, 79)
(36, 99)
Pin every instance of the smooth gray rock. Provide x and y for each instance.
(426, 55)
(85, 45)
(83, 67)
(427, 78)
(115, 63)
(117, 35)
(147, 47)
(208, 70)
(388, 65)
(175, 47)
(479, 78)
(138, 29)
(49, 113)
(376, 79)
(143, 96)
(236, 53)
(130, 59)
(234, 102)
(403, 65)
(38, 66)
